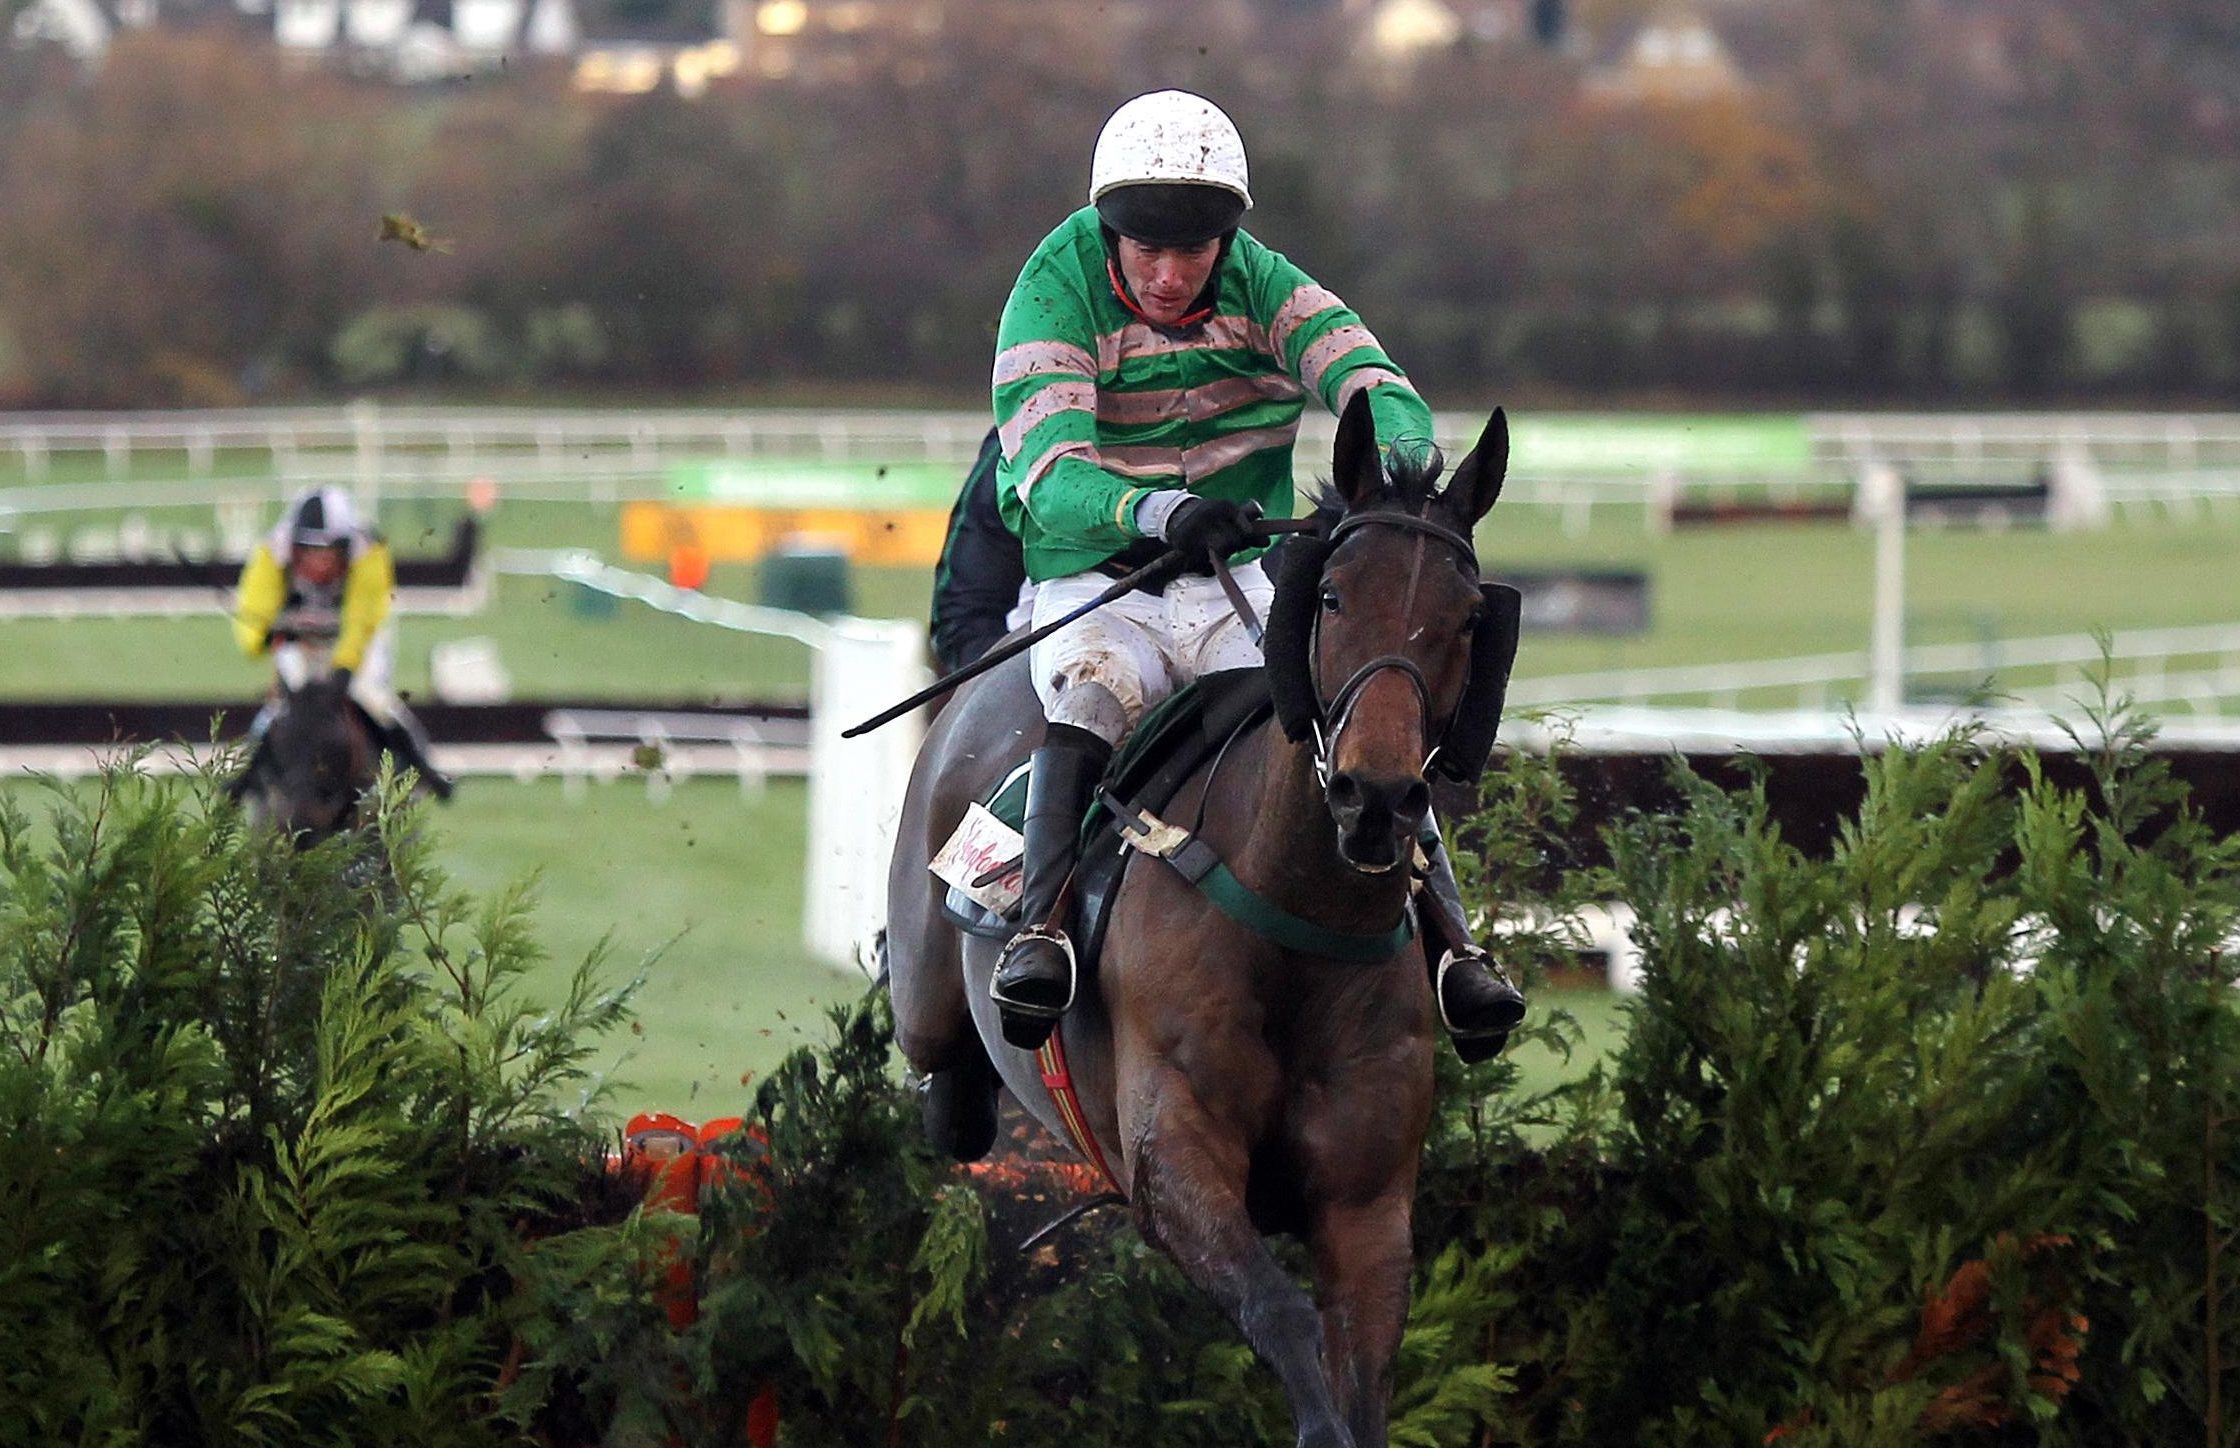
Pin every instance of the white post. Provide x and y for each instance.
(856, 785)
(365, 436)
(1610, 930)
(2078, 494)
(1883, 494)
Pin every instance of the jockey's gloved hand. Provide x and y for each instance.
(1204, 529)
(341, 677)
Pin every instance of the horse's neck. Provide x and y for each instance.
(1291, 853)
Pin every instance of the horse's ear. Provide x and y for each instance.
(1354, 466)
(1477, 483)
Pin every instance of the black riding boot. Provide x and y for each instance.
(260, 756)
(1034, 981)
(404, 744)
(260, 752)
(1476, 1001)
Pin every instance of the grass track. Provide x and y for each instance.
(1716, 595)
(711, 882)
(738, 990)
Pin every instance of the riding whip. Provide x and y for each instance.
(1160, 568)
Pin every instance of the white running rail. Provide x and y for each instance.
(2197, 666)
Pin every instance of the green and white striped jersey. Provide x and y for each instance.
(1098, 408)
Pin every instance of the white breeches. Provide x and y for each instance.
(1139, 648)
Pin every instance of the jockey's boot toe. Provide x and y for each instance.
(440, 785)
(1478, 1004)
(1033, 985)
(958, 1109)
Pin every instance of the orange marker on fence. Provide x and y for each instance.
(680, 1161)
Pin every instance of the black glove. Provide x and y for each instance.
(341, 677)
(1203, 529)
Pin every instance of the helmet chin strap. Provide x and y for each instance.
(1198, 315)
(1182, 323)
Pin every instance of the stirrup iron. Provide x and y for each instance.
(1029, 1009)
(1458, 956)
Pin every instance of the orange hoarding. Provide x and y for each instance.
(652, 532)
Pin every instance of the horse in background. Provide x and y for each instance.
(1232, 1086)
(311, 771)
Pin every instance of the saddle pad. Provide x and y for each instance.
(981, 859)
(1163, 751)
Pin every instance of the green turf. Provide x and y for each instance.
(710, 881)
(1715, 595)
(1770, 590)
(1600, 1016)
(555, 640)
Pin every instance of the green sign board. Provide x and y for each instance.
(1713, 444)
(1729, 443)
(784, 483)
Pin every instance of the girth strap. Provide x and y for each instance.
(1195, 861)
(1057, 1079)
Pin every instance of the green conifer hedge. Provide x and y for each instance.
(273, 1127)
(1928, 1137)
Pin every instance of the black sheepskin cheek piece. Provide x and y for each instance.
(1290, 632)
(1477, 717)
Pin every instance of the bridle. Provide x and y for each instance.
(1330, 719)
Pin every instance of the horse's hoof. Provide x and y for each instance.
(958, 1109)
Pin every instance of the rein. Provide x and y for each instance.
(1199, 864)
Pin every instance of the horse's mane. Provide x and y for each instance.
(1409, 485)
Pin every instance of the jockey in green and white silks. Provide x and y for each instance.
(1151, 368)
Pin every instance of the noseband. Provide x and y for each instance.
(1330, 719)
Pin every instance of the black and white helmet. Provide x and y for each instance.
(318, 518)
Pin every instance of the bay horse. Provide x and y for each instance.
(1233, 1087)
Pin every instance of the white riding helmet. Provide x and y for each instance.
(1169, 170)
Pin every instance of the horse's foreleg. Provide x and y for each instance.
(925, 971)
(1362, 1262)
(1189, 1199)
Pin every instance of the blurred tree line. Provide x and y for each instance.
(1943, 201)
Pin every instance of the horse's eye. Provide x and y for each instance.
(1470, 621)
(1330, 603)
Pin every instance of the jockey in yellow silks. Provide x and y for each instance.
(322, 579)
(1151, 368)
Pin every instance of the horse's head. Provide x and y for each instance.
(320, 760)
(1383, 648)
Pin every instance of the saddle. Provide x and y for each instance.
(1164, 751)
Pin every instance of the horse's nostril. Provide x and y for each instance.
(1414, 801)
(1345, 792)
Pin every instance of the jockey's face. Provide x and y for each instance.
(317, 565)
(1167, 279)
